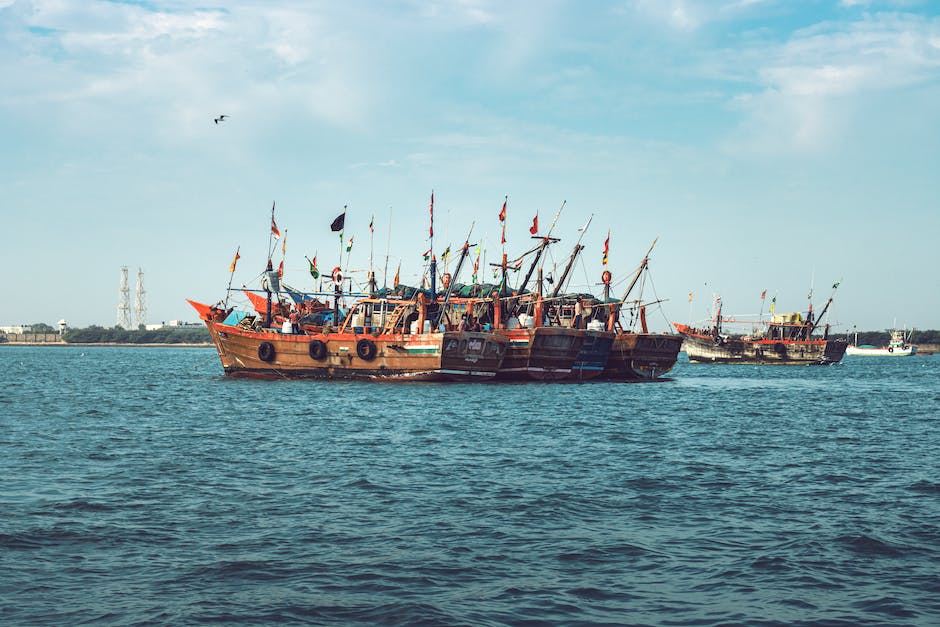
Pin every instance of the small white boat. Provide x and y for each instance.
(898, 346)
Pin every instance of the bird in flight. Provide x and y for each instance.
(221, 118)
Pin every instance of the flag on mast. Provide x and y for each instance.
(349, 245)
(763, 295)
(397, 275)
(314, 272)
(534, 229)
(606, 247)
(690, 297)
(372, 224)
(274, 231)
(235, 259)
(431, 230)
(339, 222)
(502, 213)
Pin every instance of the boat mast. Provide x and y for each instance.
(464, 252)
(636, 275)
(823, 312)
(574, 255)
(546, 240)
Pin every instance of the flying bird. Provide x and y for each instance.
(221, 118)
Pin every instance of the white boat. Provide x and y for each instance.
(898, 346)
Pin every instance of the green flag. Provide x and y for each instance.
(313, 268)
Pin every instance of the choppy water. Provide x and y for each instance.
(141, 486)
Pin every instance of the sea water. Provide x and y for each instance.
(141, 486)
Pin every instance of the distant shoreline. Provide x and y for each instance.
(124, 345)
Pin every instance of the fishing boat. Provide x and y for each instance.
(788, 338)
(378, 339)
(898, 346)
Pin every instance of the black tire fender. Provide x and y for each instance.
(266, 351)
(317, 349)
(365, 348)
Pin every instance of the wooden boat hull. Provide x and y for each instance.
(592, 358)
(784, 352)
(642, 356)
(540, 354)
(453, 355)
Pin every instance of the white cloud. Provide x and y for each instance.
(813, 83)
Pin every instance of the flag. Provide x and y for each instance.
(534, 229)
(313, 268)
(235, 259)
(773, 304)
(690, 297)
(349, 245)
(445, 253)
(606, 247)
(276, 233)
(372, 224)
(431, 230)
(280, 270)
(340, 222)
(397, 275)
(427, 254)
(503, 240)
(763, 295)
(502, 213)
(837, 284)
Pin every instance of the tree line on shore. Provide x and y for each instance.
(118, 335)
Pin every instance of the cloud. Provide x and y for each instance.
(811, 85)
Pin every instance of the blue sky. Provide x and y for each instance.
(769, 144)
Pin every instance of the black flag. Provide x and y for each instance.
(339, 222)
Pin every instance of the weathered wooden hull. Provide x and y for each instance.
(592, 358)
(541, 354)
(642, 356)
(453, 355)
(784, 352)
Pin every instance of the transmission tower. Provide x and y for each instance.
(140, 302)
(124, 302)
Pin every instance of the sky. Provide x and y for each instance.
(778, 145)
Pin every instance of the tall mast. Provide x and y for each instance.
(388, 246)
(433, 268)
(546, 240)
(450, 286)
(639, 271)
(574, 254)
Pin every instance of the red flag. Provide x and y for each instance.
(534, 229)
(606, 247)
(274, 231)
(504, 234)
(280, 270)
(763, 295)
(432, 214)
(397, 275)
(502, 213)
